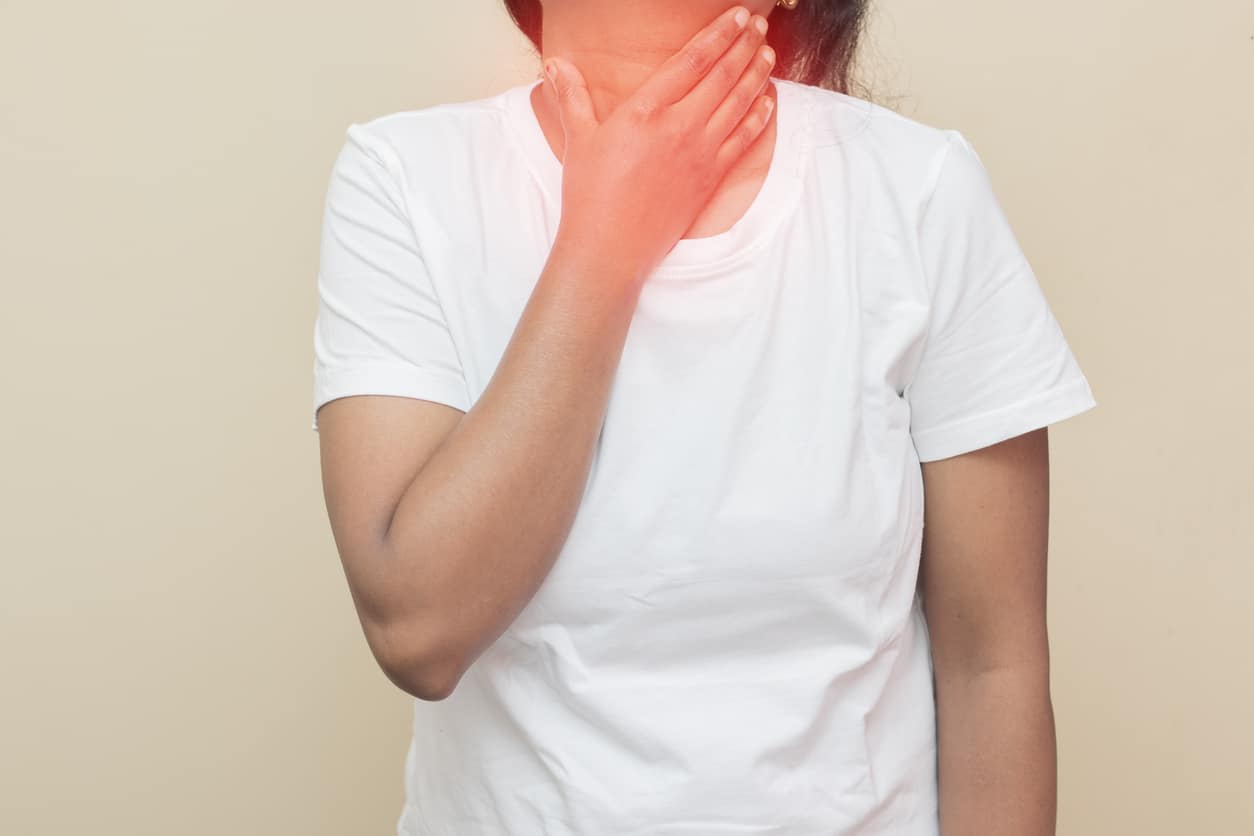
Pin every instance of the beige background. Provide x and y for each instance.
(180, 654)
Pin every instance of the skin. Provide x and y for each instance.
(983, 584)
(616, 53)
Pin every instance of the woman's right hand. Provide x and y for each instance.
(635, 182)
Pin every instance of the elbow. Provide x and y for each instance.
(423, 685)
(419, 667)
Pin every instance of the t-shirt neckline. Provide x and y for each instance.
(710, 255)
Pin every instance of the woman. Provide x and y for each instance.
(630, 392)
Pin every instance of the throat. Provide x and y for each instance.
(729, 201)
(738, 189)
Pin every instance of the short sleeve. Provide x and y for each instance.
(379, 329)
(995, 363)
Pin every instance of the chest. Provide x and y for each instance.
(755, 434)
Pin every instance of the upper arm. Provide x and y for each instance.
(388, 383)
(994, 372)
(995, 363)
(983, 569)
(372, 448)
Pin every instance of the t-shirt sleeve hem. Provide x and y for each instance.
(401, 381)
(1049, 407)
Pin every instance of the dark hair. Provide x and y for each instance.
(814, 43)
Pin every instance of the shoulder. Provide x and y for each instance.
(422, 158)
(435, 133)
(898, 150)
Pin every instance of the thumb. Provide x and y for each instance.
(574, 102)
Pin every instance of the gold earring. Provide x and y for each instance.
(787, 4)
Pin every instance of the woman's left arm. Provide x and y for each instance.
(983, 581)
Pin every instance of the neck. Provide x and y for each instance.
(618, 46)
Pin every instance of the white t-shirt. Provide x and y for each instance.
(730, 640)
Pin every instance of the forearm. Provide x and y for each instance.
(997, 753)
(482, 523)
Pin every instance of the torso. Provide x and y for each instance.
(748, 533)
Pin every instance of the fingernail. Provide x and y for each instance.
(741, 16)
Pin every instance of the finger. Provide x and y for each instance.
(753, 123)
(736, 104)
(679, 73)
(738, 74)
(574, 102)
